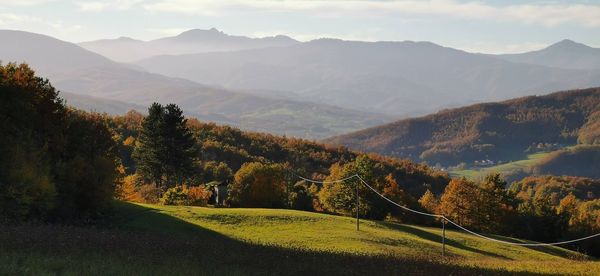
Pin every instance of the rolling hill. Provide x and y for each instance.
(579, 161)
(126, 49)
(75, 70)
(151, 239)
(500, 131)
(565, 54)
(398, 78)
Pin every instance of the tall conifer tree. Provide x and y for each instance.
(166, 148)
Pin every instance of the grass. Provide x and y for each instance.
(151, 239)
(477, 174)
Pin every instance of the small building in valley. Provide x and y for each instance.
(219, 191)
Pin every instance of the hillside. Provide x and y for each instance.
(398, 78)
(499, 132)
(580, 161)
(565, 54)
(151, 239)
(75, 70)
(125, 49)
(235, 147)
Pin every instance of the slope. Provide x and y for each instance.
(75, 70)
(565, 54)
(399, 78)
(149, 239)
(501, 131)
(126, 49)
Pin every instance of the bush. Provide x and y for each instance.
(258, 185)
(198, 196)
(149, 193)
(129, 189)
(177, 195)
(301, 197)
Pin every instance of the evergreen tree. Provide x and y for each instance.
(180, 146)
(165, 149)
(149, 149)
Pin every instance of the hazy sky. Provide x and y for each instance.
(481, 26)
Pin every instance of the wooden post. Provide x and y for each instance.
(443, 237)
(357, 208)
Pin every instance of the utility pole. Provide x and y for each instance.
(444, 237)
(357, 208)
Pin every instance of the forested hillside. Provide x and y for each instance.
(50, 153)
(233, 147)
(580, 161)
(60, 164)
(499, 132)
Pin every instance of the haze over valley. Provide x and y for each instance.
(314, 89)
(299, 137)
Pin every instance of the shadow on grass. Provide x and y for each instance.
(438, 238)
(551, 250)
(144, 241)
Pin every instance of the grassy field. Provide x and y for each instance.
(477, 174)
(150, 239)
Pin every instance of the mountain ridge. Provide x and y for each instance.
(398, 78)
(566, 54)
(74, 69)
(499, 131)
(187, 42)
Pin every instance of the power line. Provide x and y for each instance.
(447, 219)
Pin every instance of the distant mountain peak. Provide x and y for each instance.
(567, 44)
(194, 34)
(282, 37)
(126, 38)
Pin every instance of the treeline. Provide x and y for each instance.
(545, 209)
(60, 163)
(498, 131)
(56, 163)
(169, 156)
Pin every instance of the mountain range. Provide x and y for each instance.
(125, 49)
(401, 79)
(313, 89)
(75, 70)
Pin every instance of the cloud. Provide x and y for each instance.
(7, 19)
(98, 6)
(24, 2)
(39, 25)
(546, 13)
(168, 31)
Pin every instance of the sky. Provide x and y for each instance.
(486, 26)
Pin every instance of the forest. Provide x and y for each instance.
(68, 166)
(500, 132)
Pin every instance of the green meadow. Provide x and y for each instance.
(477, 174)
(180, 240)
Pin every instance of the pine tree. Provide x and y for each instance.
(180, 146)
(165, 149)
(149, 149)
